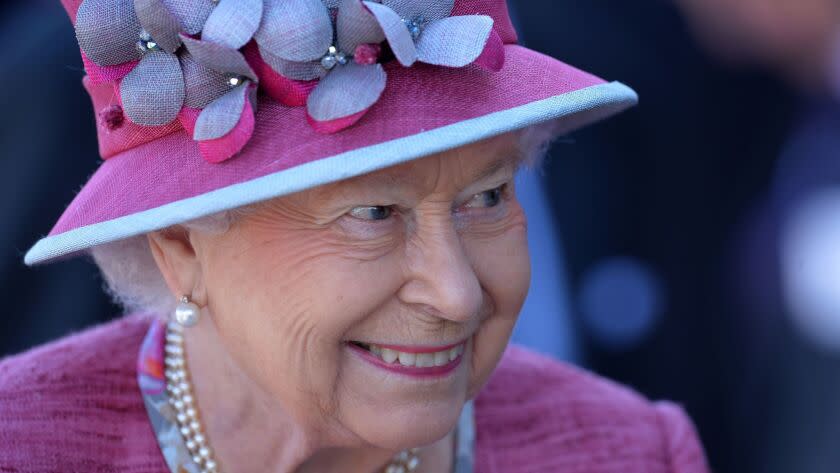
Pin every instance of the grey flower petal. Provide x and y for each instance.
(295, 30)
(455, 41)
(293, 70)
(191, 13)
(233, 22)
(153, 92)
(108, 31)
(219, 58)
(356, 25)
(161, 25)
(399, 38)
(221, 116)
(345, 91)
(429, 10)
(203, 85)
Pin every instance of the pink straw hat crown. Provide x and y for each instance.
(208, 105)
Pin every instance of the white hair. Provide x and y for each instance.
(132, 277)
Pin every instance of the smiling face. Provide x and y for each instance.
(371, 309)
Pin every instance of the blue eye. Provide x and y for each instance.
(374, 212)
(490, 198)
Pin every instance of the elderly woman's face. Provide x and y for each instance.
(428, 258)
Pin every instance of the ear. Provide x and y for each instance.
(177, 259)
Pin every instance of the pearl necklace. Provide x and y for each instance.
(180, 390)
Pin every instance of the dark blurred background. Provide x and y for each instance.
(695, 240)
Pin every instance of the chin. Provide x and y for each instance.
(408, 426)
(391, 407)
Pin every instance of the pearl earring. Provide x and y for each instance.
(186, 313)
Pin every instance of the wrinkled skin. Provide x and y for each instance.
(295, 279)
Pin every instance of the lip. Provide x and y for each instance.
(411, 371)
(419, 349)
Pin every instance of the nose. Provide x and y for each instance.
(441, 279)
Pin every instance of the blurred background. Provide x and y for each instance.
(689, 248)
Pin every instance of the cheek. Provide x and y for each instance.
(283, 306)
(502, 264)
(260, 304)
(504, 270)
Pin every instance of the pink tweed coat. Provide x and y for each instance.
(74, 406)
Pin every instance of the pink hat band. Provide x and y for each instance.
(205, 106)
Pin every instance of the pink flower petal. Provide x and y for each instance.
(334, 126)
(493, 56)
(103, 74)
(289, 92)
(221, 149)
(188, 117)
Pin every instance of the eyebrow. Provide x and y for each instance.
(510, 160)
(496, 166)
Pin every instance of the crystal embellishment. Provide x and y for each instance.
(146, 43)
(333, 58)
(415, 26)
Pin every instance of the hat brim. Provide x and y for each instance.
(424, 110)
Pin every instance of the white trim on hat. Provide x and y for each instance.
(577, 108)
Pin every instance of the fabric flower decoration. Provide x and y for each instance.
(423, 31)
(135, 42)
(298, 42)
(235, 23)
(201, 61)
(220, 85)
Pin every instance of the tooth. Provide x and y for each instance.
(441, 358)
(407, 359)
(389, 355)
(376, 350)
(425, 360)
(453, 353)
(461, 349)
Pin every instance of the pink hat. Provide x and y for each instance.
(209, 105)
